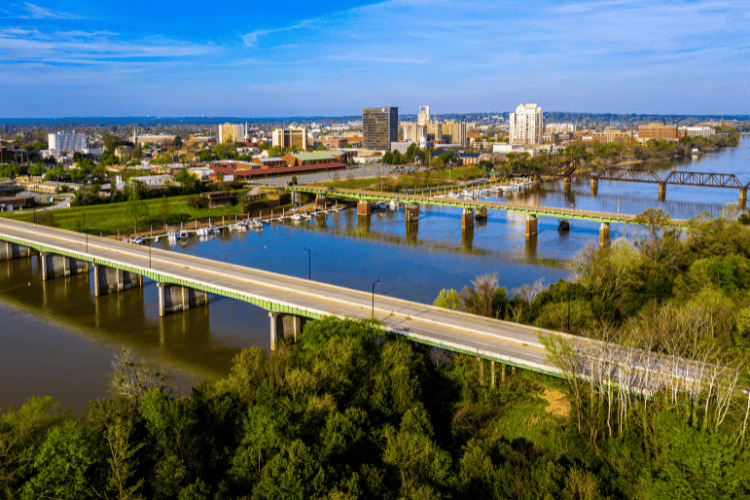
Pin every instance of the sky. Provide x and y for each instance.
(302, 58)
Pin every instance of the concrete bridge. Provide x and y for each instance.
(185, 282)
(474, 209)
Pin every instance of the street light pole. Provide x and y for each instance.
(85, 232)
(373, 297)
(149, 256)
(309, 272)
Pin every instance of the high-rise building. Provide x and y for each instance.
(526, 125)
(423, 118)
(379, 127)
(413, 132)
(454, 132)
(67, 141)
(435, 132)
(290, 137)
(229, 132)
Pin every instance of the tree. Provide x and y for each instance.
(137, 209)
(177, 141)
(186, 180)
(437, 163)
(205, 155)
(655, 220)
(37, 169)
(164, 210)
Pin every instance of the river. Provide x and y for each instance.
(57, 339)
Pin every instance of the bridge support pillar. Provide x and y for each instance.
(493, 380)
(412, 212)
(532, 226)
(481, 213)
(567, 182)
(59, 266)
(594, 186)
(467, 218)
(412, 230)
(743, 198)
(321, 202)
(10, 251)
(662, 191)
(604, 236)
(363, 208)
(283, 325)
(174, 298)
(110, 280)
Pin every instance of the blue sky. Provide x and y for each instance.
(269, 59)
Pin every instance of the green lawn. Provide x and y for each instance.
(457, 173)
(112, 217)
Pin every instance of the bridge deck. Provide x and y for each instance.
(569, 213)
(507, 342)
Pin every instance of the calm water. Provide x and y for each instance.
(57, 339)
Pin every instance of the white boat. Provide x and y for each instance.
(257, 223)
(202, 231)
(172, 235)
(296, 217)
(393, 205)
(212, 229)
(137, 240)
(183, 234)
(239, 226)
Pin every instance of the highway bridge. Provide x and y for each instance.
(184, 281)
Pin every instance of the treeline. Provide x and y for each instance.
(350, 412)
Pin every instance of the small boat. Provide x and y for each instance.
(172, 235)
(183, 234)
(156, 240)
(212, 229)
(239, 226)
(257, 223)
(393, 205)
(137, 240)
(296, 217)
(202, 231)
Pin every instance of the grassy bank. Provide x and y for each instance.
(114, 217)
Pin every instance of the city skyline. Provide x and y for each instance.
(62, 59)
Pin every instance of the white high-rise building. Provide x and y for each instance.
(67, 141)
(423, 118)
(526, 125)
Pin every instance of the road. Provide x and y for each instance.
(355, 172)
(507, 342)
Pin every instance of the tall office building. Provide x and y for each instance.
(289, 137)
(423, 118)
(379, 127)
(67, 141)
(454, 132)
(229, 132)
(526, 125)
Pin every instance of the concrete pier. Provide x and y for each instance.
(321, 202)
(59, 266)
(604, 236)
(532, 226)
(481, 213)
(412, 230)
(467, 218)
(174, 298)
(110, 280)
(594, 186)
(743, 198)
(10, 251)
(285, 326)
(662, 191)
(363, 207)
(467, 237)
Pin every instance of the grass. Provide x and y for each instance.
(458, 173)
(113, 217)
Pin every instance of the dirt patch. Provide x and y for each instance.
(558, 406)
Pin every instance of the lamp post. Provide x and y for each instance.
(85, 232)
(149, 255)
(568, 297)
(373, 297)
(309, 272)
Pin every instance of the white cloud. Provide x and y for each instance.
(32, 11)
(251, 39)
